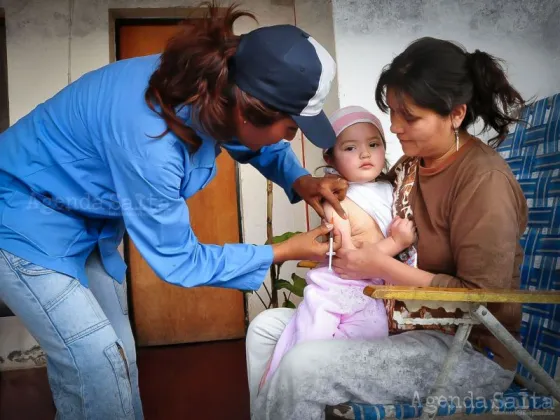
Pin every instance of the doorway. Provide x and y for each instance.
(163, 313)
(4, 108)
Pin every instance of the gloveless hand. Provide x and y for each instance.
(305, 246)
(361, 263)
(403, 232)
(314, 190)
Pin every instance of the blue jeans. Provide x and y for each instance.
(85, 333)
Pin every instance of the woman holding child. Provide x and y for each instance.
(469, 213)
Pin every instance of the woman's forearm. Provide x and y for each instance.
(281, 253)
(396, 272)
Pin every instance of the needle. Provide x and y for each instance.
(331, 253)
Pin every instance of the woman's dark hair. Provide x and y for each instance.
(193, 71)
(440, 75)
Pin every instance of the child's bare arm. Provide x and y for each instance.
(343, 225)
(402, 234)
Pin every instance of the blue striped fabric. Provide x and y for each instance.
(532, 151)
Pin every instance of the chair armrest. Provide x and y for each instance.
(455, 294)
(307, 264)
(462, 294)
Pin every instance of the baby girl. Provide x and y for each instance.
(333, 307)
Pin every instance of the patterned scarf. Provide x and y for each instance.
(404, 177)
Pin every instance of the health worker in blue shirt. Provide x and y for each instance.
(121, 149)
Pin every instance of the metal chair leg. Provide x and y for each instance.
(430, 409)
(495, 327)
(531, 385)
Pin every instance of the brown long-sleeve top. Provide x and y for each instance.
(470, 213)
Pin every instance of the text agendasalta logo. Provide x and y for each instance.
(520, 403)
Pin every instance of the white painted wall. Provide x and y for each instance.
(50, 43)
(44, 54)
(369, 34)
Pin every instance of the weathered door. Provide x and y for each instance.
(166, 314)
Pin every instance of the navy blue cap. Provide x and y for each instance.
(289, 71)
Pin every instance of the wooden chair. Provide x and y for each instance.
(532, 151)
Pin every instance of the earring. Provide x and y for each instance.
(456, 137)
(245, 122)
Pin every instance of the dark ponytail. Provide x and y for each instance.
(494, 100)
(439, 75)
(194, 71)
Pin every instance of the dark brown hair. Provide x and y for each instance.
(193, 71)
(440, 75)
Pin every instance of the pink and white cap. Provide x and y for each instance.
(350, 115)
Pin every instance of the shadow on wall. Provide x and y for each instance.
(4, 108)
(4, 310)
(4, 116)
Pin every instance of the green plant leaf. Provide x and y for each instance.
(284, 237)
(288, 304)
(299, 284)
(298, 281)
(284, 284)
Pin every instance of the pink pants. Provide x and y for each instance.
(331, 308)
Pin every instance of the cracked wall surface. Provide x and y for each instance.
(53, 42)
(50, 43)
(369, 34)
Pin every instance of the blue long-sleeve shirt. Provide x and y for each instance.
(84, 166)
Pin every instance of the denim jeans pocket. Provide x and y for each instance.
(25, 267)
(121, 291)
(115, 355)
